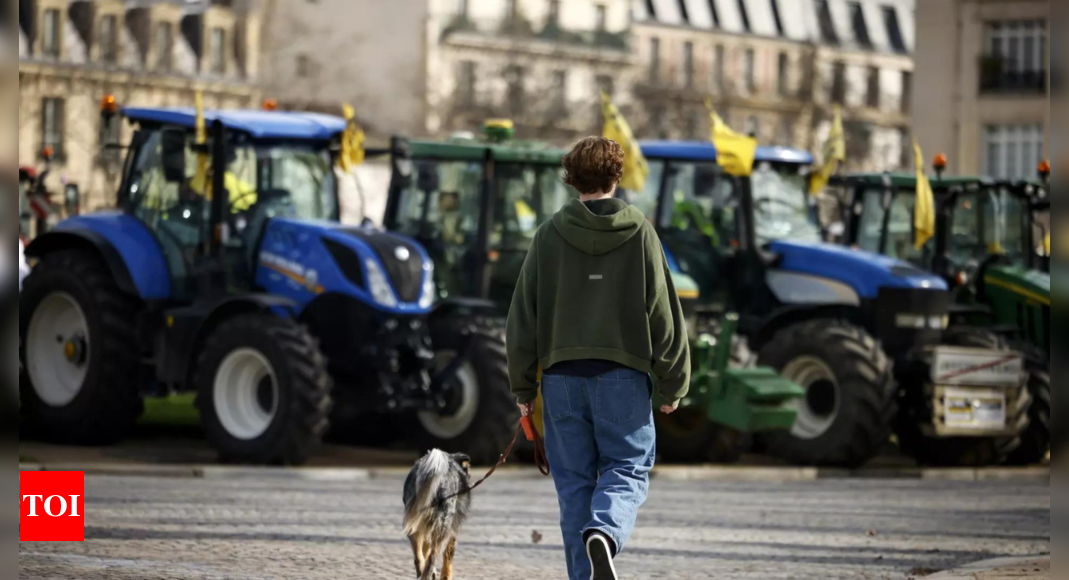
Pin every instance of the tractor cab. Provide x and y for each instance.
(225, 272)
(475, 204)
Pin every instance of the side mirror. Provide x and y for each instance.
(174, 155)
(72, 199)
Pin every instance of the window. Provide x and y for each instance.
(783, 82)
(827, 23)
(110, 134)
(164, 41)
(683, 11)
(776, 15)
(109, 40)
(53, 125)
(51, 40)
(657, 122)
(718, 68)
(838, 83)
(907, 92)
(861, 28)
(872, 95)
(1015, 56)
(218, 51)
(462, 8)
(515, 77)
(304, 66)
(785, 137)
(655, 60)
(607, 85)
(894, 30)
(1013, 151)
(752, 126)
(651, 9)
(560, 90)
(751, 70)
(688, 64)
(601, 18)
(716, 13)
(554, 13)
(745, 15)
(466, 83)
(510, 9)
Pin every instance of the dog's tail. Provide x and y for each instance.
(429, 473)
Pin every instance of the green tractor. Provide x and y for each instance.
(475, 204)
(985, 250)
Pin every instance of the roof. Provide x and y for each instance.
(269, 125)
(784, 155)
(688, 150)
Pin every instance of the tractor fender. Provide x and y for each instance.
(135, 256)
(763, 330)
(187, 329)
(58, 241)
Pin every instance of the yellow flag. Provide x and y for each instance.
(834, 154)
(636, 169)
(352, 141)
(1046, 244)
(924, 213)
(735, 152)
(200, 182)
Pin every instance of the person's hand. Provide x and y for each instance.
(668, 409)
(526, 409)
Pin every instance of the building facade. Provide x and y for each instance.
(775, 68)
(983, 84)
(435, 67)
(73, 53)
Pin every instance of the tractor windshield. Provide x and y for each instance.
(899, 225)
(782, 209)
(988, 221)
(700, 204)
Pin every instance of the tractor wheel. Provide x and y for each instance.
(263, 391)
(963, 451)
(1036, 439)
(79, 353)
(845, 418)
(688, 436)
(482, 416)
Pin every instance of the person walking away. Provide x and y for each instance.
(596, 309)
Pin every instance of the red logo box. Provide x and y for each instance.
(52, 506)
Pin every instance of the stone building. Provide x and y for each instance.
(434, 67)
(72, 53)
(774, 68)
(984, 84)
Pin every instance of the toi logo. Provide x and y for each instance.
(52, 506)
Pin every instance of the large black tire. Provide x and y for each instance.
(688, 436)
(963, 451)
(299, 406)
(851, 410)
(108, 402)
(1036, 439)
(481, 427)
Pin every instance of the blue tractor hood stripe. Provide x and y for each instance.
(865, 272)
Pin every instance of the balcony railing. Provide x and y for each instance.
(997, 77)
(520, 28)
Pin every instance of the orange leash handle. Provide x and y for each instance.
(529, 429)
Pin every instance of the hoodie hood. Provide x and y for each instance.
(599, 233)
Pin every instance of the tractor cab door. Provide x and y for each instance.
(697, 216)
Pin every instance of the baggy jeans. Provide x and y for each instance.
(600, 442)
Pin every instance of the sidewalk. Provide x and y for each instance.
(1006, 569)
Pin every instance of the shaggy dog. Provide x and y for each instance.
(437, 501)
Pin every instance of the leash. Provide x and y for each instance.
(527, 427)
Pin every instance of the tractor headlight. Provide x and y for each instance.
(913, 321)
(427, 294)
(378, 285)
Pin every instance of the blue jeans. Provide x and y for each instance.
(600, 442)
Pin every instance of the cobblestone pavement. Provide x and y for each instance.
(149, 529)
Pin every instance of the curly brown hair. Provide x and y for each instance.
(594, 165)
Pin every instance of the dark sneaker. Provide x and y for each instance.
(600, 554)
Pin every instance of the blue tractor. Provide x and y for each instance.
(864, 334)
(225, 272)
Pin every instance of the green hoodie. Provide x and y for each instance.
(596, 285)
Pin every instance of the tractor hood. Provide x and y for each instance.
(866, 273)
(1031, 284)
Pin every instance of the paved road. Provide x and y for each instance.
(148, 529)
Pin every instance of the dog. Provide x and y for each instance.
(437, 502)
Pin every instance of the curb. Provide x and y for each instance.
(969, 572)
(723, 474)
